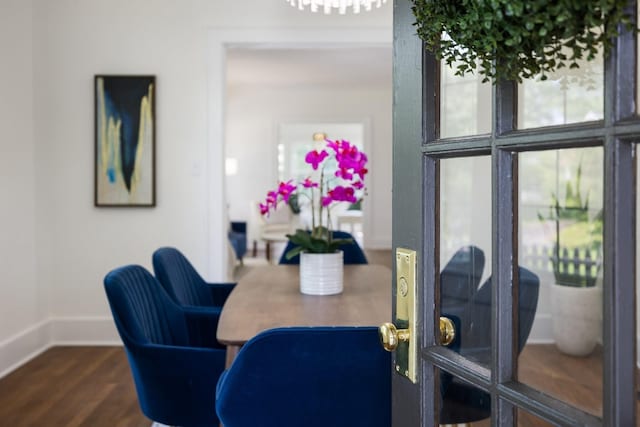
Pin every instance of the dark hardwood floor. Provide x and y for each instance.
(92, 387)
(69, 387)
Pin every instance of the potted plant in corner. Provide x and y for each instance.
(576, 295)
(337, 176)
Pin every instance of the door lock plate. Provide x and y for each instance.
(406, 352)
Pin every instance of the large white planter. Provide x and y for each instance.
(321, 274)
(577, 318)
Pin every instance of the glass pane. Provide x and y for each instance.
(567, 96)
(465, 252)
(527, 419)
(465, 104)
(463, 403)
(560, 258)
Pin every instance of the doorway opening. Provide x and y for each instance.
(276, 98)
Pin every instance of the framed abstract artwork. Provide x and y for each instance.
(125, 120)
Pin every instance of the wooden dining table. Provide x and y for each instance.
(269, 297)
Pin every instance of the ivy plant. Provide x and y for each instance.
(518, 39)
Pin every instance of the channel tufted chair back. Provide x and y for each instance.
(174, 370)
(308, 376)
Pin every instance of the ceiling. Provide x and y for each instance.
(331, 66)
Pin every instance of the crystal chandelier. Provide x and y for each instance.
(341, 5)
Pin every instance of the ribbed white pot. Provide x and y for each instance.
(577, 318)
(321, 274)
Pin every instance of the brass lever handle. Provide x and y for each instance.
(447, 331)
(390, 336)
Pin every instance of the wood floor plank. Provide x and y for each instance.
(72, 386)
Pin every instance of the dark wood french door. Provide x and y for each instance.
(484, 183)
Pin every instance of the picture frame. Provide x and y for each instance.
(125, 123)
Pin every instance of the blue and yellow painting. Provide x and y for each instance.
(125, 140)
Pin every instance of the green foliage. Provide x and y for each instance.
(573, 208)
(574, 229)
(518, 39)
(319, 241)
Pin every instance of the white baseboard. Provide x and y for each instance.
(84, 331)
(542, 330)
(24, 346)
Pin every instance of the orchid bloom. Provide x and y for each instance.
(339, 194)
(264, 209)
(314, 158)
(350, 164)
(272, 199)
(307, 183)
(285, 189)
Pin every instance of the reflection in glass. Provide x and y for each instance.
(465, 104)
(567, 96)
(463, 403)
(465, 252)
(527, 419)
(560, 241)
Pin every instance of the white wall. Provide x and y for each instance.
(55, 257)
(21, 305)
(251, 137)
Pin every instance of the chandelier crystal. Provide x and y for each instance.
(342, 5)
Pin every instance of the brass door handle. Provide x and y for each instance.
(447, 331)
(390, 336)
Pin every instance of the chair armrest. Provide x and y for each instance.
(177, 380)
(220, 292)
(202, 325)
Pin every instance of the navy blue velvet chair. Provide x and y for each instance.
(187, 288)
(352, 252)
(462, 403)
(311, 377)
(174, 370)
(238, 238)
(183, 283)
(459, 280)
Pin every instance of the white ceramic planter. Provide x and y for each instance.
(321, 274)
(577, 318)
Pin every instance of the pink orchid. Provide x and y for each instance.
(307, 183)
(335, 145)
(342, 194)
(344, 174)
(314, 158)
(362, 172)
(350, 169)
(285, 189)
(272, 198)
